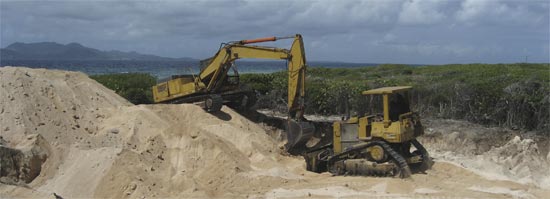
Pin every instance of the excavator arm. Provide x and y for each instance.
(216, 70)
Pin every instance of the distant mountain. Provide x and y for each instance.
(72, 51)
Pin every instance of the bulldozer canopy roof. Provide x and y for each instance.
(387, 90)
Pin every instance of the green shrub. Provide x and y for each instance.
(135, 87)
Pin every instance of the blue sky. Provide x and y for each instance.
(375, 31)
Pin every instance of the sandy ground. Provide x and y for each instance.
(101, 146)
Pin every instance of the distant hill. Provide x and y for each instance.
(72, 51)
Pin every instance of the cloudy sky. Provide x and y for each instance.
(384, 31)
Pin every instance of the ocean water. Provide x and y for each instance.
(163, 69)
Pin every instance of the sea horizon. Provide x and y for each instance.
(163, 69)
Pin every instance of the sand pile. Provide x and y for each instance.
(179, 150)
(92, 143)
(102, 146)
(60, 108)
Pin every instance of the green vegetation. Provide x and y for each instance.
(135, 87)
(511, 95)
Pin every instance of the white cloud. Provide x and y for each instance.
(508, 13)
(422, 12)
(346, 16)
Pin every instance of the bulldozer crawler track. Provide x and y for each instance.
(419, 146)
(403, 172)
(426, 159)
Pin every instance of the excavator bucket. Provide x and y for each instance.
(297, 135)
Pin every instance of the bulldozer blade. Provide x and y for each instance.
(297, 134)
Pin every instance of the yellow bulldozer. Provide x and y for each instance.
(377, 144)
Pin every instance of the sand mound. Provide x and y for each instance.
(61, 107)
(97, 144)
(103, 146)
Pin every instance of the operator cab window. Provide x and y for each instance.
(398, 105)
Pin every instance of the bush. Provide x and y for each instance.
(510, 95)
(135, 87)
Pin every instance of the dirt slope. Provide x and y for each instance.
(102, 146)
(495, 153)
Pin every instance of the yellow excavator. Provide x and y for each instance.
(213, 87)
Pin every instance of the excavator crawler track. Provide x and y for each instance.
(213, 103)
